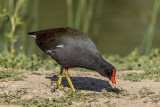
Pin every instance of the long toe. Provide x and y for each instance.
(54, 88)
(52, 82)
(57, 86)
(61, 88)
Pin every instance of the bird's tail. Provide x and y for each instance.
(32, 34)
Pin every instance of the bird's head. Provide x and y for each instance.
(112, 78)
(110, 73)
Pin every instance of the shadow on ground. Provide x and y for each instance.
(85, 83)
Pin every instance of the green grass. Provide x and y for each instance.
(11, 75)
(150, 65)
(144, 92)
(146, 45)
(36, 73)
(132, 97)
(132, 76)
(148, 74)
(15, 98)
(155, 98)
(21, 61)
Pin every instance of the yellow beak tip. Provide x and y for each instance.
(114, 85)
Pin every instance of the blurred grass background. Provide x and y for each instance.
(117, 27)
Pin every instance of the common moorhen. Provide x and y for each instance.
(72, 48)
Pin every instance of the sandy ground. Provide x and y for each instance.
(39, 86)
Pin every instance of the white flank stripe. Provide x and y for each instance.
(49, 51)
(32, 36)
(60, 46)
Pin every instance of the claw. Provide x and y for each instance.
(58, 83)
(58, 86)
(52, 82)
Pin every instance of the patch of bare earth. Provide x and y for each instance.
(85, 82)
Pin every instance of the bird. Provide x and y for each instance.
(72, 48)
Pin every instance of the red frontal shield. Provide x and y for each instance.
(113, 76)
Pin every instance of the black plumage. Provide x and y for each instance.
(72, 48)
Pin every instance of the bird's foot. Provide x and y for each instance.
(57, 86)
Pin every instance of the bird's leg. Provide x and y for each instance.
(69, 80)
(60, 77)
(58, 84)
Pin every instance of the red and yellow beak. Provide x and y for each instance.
(113, 78)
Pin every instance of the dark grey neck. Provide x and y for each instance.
(100, 65)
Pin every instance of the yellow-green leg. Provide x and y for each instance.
(58, 85)
(69, 80)
(60, 76)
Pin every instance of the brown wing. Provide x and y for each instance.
(48, 39)
(58, 32)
